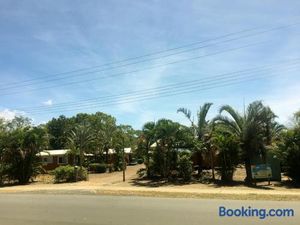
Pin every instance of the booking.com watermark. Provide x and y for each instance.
(260, 213)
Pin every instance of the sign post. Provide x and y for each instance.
(261, 171)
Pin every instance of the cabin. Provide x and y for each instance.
(112, 154)
(51, 159)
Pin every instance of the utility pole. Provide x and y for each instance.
(123, 164)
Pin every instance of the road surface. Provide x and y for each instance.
(36, 209)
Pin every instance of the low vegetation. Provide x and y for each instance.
(69, 174)
(97, 167)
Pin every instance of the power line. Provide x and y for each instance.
(51, 77)
(217, 77)
(171, 92)
(155, 96)
(137, 70)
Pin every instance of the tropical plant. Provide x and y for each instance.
(79, 141)
(105, 132)
(185, 167)
(160, 143)
(22, 144)
(203, 132)
(290, 150)
(228, 154)
(253, 128)
(146, 139)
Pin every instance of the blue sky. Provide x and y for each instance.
(42, 38)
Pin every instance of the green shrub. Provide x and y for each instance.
(140, 161)
(291, 149)
(185, 168)
(98, 167)
(228, 157)
(69, 174)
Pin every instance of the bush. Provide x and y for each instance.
(185, 167)
(228, 157)
(291, 149)
(140, 161)
(98, 167)
(68, 174)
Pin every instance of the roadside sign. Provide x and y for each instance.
(261, 171)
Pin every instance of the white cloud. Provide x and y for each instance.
(285, 102)
(48, 102)
(8, 114)
(127, 107)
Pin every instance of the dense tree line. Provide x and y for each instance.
(169, 150)
(20, 141)
(229, 139)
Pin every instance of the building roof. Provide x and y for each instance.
(58, 152)
(113, 151)
(53, 152)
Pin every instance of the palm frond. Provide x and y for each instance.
(238, 119)
(229, 124)
(186, 112)
(202, 116)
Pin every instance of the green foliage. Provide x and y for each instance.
(58, 130)
(20, 150)
(97, 167)
(69, 174)
(228, 156)
(255, 130)
(140, 160)
(118, 159)
(291, 153)
(202, 132)
(168, 137)
(185, 167)
(80, 140)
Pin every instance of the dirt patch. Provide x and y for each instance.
(112, 184)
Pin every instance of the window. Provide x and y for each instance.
(62, 160)
(46, 160)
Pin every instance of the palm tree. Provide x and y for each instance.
(203, 132)
(80, 140)
(167, 135)
(105, 133)
(254, 130)
(147, 138)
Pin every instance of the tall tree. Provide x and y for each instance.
(146, 139)
(253, 130)
(22, 143)
(203, 132)
(79, 141)
(59, 129)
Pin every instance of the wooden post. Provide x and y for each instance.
(123, 166)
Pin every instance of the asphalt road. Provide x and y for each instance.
(25, 209)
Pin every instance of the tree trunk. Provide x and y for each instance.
(248, 178)
(147, 162)
(81, 159)
(212, 163)
(200, 161)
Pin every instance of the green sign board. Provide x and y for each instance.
(261, 171)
